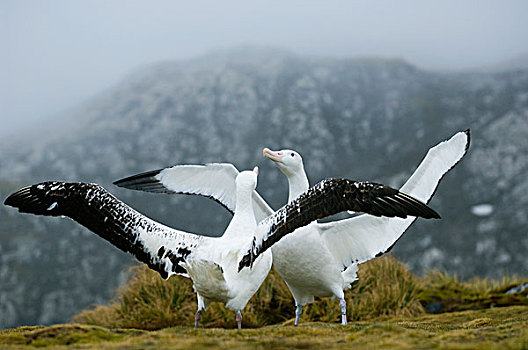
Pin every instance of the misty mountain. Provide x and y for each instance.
(358, 118)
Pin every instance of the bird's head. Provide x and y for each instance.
(247, 180)
(288, 161)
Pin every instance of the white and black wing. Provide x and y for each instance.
(361, 238)
(329, 197)
(160, 247)
(215, 181)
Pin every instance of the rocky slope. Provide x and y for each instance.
(358, 118)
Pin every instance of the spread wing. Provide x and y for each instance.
(364, 237)
(216, 181)
(160, 247)
(329, 197)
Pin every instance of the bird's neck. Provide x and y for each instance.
(298, 184)
(243, 221)
(243, 206)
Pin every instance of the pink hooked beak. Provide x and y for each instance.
(274, 156)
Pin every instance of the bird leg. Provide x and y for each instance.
(239, 319)
(342, 304)
(197, 317)
(298, 312)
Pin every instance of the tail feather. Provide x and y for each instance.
(349, 276)
(208, 278)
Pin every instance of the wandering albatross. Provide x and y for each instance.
(322, 259)
(345, 243)
(211, 262)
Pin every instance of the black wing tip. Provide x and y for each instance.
(468, 134)
(429, 213)
(418, 208)
(405, 206)
(44, 198)
(434, 215)
(14, 199)
(120, 182)
(27, 200)
(142, 178)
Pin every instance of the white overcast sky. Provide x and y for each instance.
(57, 53)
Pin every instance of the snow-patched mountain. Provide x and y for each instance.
(357, 118)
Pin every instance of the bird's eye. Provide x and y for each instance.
(292, 154)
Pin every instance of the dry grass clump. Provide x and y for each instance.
(149, 302)
(145, 302)
(441, 292)
(385, 287)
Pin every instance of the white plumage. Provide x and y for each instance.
(319, 259)
(211, 262)
(215, 264)
(322, 259)
(216, 181)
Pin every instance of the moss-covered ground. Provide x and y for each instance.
(495, 328)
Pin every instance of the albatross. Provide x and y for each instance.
(322, 259)
(213, 263)
(209, 261)
(335, 248)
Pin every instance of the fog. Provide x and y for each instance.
(55, 54)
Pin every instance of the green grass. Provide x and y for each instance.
(496, 328)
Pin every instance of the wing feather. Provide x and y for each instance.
(160, 247)
(330, 197)
(364, 237)
(215, 181)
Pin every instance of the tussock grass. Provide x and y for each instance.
(442, 292)
(385, 287)
(149, 302)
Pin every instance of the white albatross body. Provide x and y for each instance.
(322, 260)
(213, 265)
